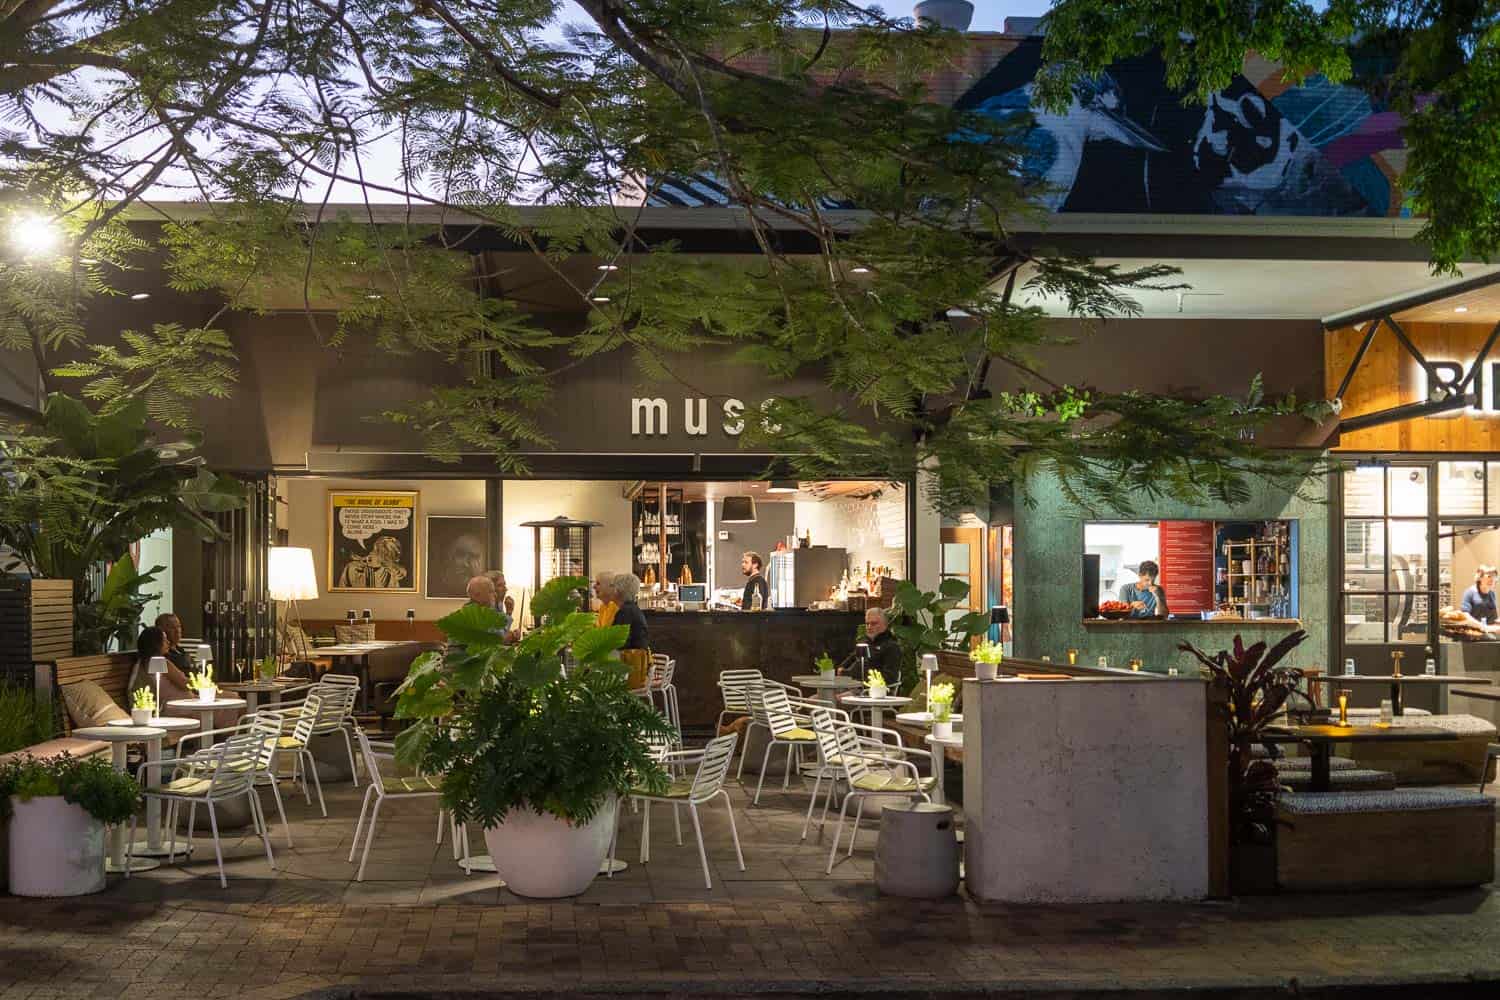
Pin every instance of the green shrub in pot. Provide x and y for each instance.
(512, 733)
(88, 782)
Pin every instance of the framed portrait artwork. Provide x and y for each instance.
(372, 542)
(455, 554)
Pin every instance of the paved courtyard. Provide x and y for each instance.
(418, 925)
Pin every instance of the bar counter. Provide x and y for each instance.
(778, 643)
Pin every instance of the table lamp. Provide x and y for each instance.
(157, 666)
(929, 665)
(292, 579)
(999, 615)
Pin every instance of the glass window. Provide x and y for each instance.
(1408, 556)
(1364, 491)
(1408, 617)
(1492, 471)
(1460, 488)
(1408, 489)
(1364, 554)
(1364, 618)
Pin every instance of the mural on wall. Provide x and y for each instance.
(1130, 143)
(372, 541)
(455, 554)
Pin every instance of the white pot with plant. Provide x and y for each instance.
(875, 680)
(536, 759)
(940, 704)
(202, 681)
(826, 666)
(58, 809)
(987, 657)
(142, 706)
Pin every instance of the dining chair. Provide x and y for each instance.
(235, 763)
(303, 723)
(876, 744)
(266, 726)
(865, 774)
(706, 785)
(414, 787)
(736, 688)
(787, 730)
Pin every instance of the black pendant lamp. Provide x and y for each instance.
(738, 510)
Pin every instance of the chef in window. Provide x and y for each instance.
(1146, 597)
(1479, 601)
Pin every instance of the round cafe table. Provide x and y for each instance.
(118, 737)
(206, 710)
(826, 685)
(876, 706)
(924, 718)
(252, 690)
(152, 846)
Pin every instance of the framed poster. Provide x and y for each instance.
(372, 542)
(455, 554)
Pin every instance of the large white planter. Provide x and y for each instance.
(56, 849)
(548, 858)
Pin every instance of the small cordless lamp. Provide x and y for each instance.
(157, 666)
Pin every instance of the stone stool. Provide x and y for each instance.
(917, 852)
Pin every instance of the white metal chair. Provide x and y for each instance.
(866, 774)
(304, 722)
(876, 744)
(267, 727)
(706, 785)
(235, 763)
(659, 675)
(416, 787)
(737, 688)
(750, 689)
(787, 729)
(340, 693)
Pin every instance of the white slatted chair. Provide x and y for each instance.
(752, 690)
(866, 774)
(304, 721)
(736, 687)
(706, 785)
(267, 725)
(340, 693)
(877, 744)
(235, 763)
(659, 682)
(416, 787)
(787, 728)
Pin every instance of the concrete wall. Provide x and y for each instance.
(544, 499)
(1085, 790)
(773, 522)
(1049, 574)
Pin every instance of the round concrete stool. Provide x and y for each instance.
(917, 853)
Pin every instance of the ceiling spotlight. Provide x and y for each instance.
(609, 267)
(141, 296)
(373, 295)
(34, 234)
(1460, 309)
(859, 269)
(601, 298)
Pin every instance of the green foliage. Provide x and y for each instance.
(90, 782)
(1438, 64)
(143, 697)
(506, 728)
(824, 663)
(988, 652)
(919, 621)
(82, 487)
(202, 680)
(25, 719)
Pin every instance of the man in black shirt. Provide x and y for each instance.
(178, 656)
(885, 650)
(753, 567)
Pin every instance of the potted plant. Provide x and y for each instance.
(919, 620)
(987, 657)
(58, 809)
(1256, 688)
(142, 706)
(825, 665)
(535, 758)
(875, 680)
(940, 703)
(203, 682)
(267, 668)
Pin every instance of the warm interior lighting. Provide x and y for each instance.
(140, 296)
(1460, 309)
(34, 234)
(291, 574)
(609, 267)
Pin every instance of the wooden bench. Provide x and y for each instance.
(1413, 838)
(111, 671)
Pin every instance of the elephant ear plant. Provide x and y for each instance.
(509, 729)
(1257, 688)
(919, 620)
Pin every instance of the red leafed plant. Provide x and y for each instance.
(1257, 688)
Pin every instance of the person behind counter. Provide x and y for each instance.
(753, 567)
(1479, 601)
(1146, 599)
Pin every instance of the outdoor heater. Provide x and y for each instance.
(560, 547)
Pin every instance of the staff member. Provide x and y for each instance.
(753, 567)
(1145, 597)
(1479, 600)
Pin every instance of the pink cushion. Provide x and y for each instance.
(74, 745)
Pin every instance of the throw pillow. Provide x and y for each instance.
(88, 705)
(358, 632)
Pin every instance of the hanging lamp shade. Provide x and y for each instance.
(782, 486)
(738, 510)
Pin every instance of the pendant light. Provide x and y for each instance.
(739, 509)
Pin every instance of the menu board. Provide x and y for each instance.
(1187, 564)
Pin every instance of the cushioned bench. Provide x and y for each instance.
(1411, 838)
(1304, 764)
(1434, 762)
(74, 745)
(1347, 779)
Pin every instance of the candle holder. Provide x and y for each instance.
(1343, 706)
(1396, 657)
(1072, 657)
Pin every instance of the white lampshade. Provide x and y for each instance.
(929, 662)
(157, 665)
(292, 577)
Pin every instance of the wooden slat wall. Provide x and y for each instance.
(36, 622)
(111, 671)
(1389, 376)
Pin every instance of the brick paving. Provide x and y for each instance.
(419, 926)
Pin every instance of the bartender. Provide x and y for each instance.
(753, 567)
(1479, 601)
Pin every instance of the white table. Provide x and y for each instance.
(876, 706)
(152, 846)
(939, 760)
(924, 718)
(206, 710)
(252, 690)
(118, 737)
(829, 683)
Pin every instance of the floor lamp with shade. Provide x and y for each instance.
(292, 578)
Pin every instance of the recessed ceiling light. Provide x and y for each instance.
(1460, 309)
(601, 298)
(609, 267)
(859, 269)
(141, 296)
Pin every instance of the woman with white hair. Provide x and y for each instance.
(627, 587)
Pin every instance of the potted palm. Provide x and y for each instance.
(58, 809)
(536, 757)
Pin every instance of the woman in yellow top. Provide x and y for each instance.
(604, 589)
